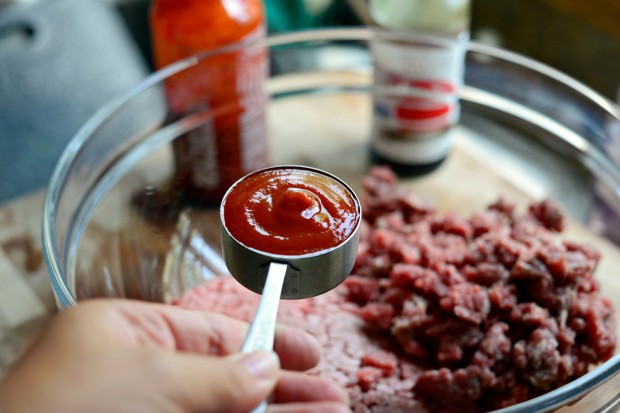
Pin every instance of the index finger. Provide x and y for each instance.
(157, 325)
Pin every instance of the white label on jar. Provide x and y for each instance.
(416, 97)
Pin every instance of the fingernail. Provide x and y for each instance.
(261, 364)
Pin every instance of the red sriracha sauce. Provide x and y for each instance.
(289, 211)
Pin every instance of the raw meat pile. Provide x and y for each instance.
(447, 314)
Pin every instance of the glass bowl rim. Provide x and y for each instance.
(549, 401)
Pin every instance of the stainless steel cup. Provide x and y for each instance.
(307, 275)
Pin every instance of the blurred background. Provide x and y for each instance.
(60, 60)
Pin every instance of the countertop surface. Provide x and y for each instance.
(26, 297)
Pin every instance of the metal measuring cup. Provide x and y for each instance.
(276, 276)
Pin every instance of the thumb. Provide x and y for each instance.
(233, 384)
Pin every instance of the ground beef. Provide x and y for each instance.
(447, 314)
(363, 362)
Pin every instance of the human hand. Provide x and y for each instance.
(121, 356)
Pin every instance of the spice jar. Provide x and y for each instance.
(227, 88)
(419, 68)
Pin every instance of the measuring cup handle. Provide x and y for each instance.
(262, 330)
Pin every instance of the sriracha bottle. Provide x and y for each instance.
(223, 92)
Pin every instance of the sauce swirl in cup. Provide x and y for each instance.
(290, 211)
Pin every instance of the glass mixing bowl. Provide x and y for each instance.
(116, 224)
